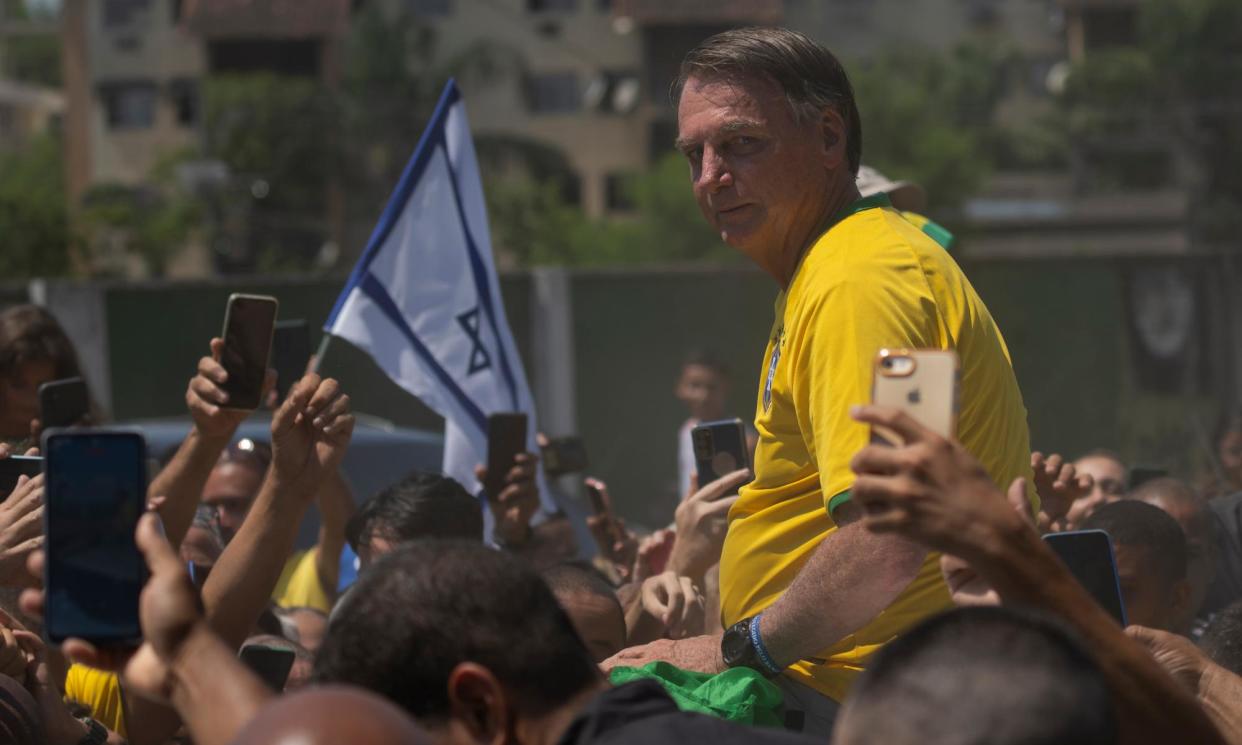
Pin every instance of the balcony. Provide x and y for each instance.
(699, 12)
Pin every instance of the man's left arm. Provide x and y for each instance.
(336, 506)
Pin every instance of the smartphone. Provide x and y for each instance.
(249, 322)
(271, 664)
(598, 505)
(63, 403)
(95, 492)
(921, 382)
(1089, 556)
(564, 455)
(719, 449)
(13, 468)
(506, 437)
(291, 351)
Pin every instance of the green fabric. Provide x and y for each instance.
(937, 233)
(865, 203)
(738, 694)
(837, 501)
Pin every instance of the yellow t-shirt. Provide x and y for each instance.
(299, 585)
(871, 281)
(100, 692)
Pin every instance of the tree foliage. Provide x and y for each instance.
(34, 229)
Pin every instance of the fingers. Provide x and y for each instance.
(719, 508)
(290, 412)
(5, 450)
(879, 460)
(208, 391)
(721, 486)
(210, 369)
(896, 420)
(1018, 501)
(217, 348)
(12, 657)
(159, 555)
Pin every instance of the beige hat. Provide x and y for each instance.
(906, 195)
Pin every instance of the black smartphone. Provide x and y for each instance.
(506, 437)
(564, 455)
(249, 322)
(719, 449)
(95, 492)
(13, 468)
(291, 350)
(1089, 556)
(598, 505)
(271, 664)
(63, 403)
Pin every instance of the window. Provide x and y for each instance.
(119, 13)
(556, 92)
(129, 105)
(551, 6)
(184, 95)
(619, 192)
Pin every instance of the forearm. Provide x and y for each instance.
(213, 691)
(241, 582)
(1220, 693)
(1152, 707)
(850, 578)
(181, 482)
(336, 506)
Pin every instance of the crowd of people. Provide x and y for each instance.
(842, 589)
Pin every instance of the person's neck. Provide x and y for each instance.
(550, 728)
(839, 197)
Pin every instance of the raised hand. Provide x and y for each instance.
(702, 521)
(517, 501)
(614, 541)
(1059, 485)
(207, 401)
(310, 433)
(21, 531)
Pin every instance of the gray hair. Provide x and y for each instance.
(811, 78)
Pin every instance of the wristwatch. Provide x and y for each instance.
(738, 648)
(96, 733)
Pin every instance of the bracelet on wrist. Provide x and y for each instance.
(756, 640)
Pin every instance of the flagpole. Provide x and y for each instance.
(319, 353)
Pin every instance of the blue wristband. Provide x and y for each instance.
(757, 642)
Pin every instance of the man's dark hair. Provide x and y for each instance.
(431, 605)
(811, 78)
(1136, 524)
(580, 578)
(422, 505)
(705, 358)
(954, 679)
(1222, 640)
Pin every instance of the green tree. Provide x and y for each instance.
(35, 239)
(30, 58)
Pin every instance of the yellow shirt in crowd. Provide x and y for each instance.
(873, 280)
(100, 692)
(299, 585)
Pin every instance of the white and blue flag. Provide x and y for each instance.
(424, 300)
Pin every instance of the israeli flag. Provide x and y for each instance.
(424, 300)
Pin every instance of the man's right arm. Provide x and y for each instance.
(181, 482)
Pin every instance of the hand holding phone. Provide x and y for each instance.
(249, 322)
(13, 468)
(271, 664)
(506, 438)
(291, 351)
(720, 448)
(564, 455)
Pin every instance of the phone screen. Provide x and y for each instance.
(506, 437)
(719, 449)
(94, 495)
(247, 342)
(13, 468)
(1089, 556)
(290, 353)
(271, 664)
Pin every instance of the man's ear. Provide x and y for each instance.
(833, 134)
(479, 704)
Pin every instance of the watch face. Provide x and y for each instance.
(735, 644)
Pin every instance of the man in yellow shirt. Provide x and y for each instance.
(767, 121)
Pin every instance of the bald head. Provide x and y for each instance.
(332, 715)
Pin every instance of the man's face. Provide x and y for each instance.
(597, 621)
(1149, 602)
(1110, 486)
(759, 176)
(703, 391)
(230, 490)
(1200, 549)
(19, 397)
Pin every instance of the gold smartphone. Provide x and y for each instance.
(921, 382)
